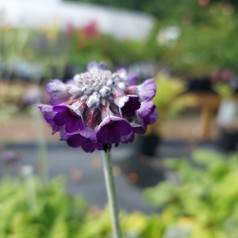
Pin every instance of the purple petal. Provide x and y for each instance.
(121, 71)
(132, 79)
(58, 92)
(48, 114)
(60, 108)
(71, 118)
(63, 134)
(69, 82)
(128, 138)
(61, 118)
(138, 128)
(129, 106)
(94, 64)
(147, 90)
(111, 129)
(147, 113)
(85, 139)
(102, 66)
(47, 111)
(73, 125)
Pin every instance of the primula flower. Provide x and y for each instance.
(98, 108)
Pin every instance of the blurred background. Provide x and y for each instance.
(179, 180)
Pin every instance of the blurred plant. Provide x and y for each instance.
(60, 215)
(27, 53)
(170, 99)
(7, 110)
(201, 194)
(202, 44)
(222, 83)
(91, 30)
(169, 88)
(202, 186)
(11, 93)
(57, 214)
(33, 95)
(89, 44)
(224, 76)
(224, 90)
(8, 99)
(13, 42)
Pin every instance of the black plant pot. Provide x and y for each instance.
(228, 140)
(147, 145)
(200, 85)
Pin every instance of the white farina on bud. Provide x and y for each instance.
(97, 86)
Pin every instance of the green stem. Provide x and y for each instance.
(42, 148)
(27, 171)
(31, 192)
(111, 194)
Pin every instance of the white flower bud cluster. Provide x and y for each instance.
(97, 86)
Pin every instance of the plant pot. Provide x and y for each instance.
(228, 140)
(200, 85)
(147, 145)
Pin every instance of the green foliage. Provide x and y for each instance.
(59, 215)
(207, 39)
(224, 90)
(103, 47)
(202, 202)
(56, 215)
(204, 193)
(168, 98)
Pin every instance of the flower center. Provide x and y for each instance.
(96, 86)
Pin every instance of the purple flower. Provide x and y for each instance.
(68, 117)
(58, 91)
(132, 78)
(147, 113)
(146, 90)
(129, 105)
(99, 108)
(48, 114)
(112, 129)
(85, 138)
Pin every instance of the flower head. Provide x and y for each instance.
(98, 108)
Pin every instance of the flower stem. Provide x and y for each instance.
(27, 173)
(111, 194)
(30, 184)
(42, 148)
